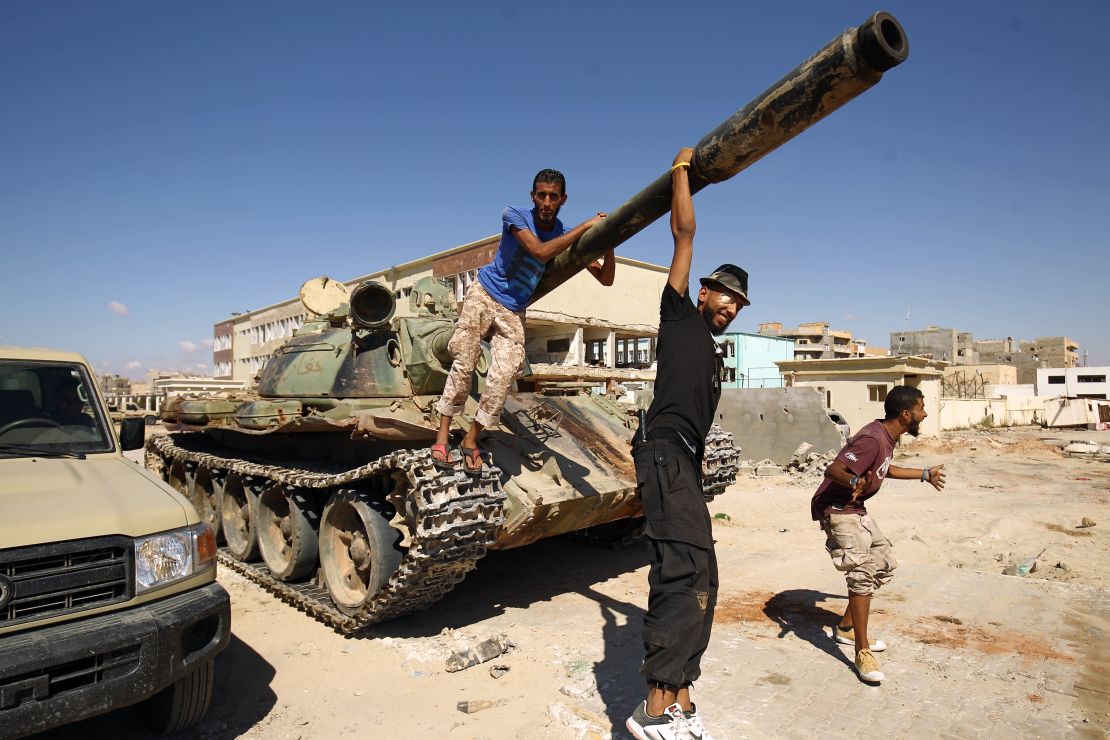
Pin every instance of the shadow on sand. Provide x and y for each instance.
(797, 611)
(517, 578)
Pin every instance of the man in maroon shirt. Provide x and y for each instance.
(854, 541)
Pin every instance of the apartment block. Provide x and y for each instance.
(936, 343)
(816, 340)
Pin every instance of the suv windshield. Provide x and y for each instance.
(49, 408)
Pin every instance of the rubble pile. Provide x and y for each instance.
(804, 465)
(810, 464)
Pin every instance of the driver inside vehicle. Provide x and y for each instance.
(68, 408)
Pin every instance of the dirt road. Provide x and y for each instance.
(972, 652)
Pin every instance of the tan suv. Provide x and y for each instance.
(107, 575)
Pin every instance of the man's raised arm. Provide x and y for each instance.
(604, 270)
(682, 222)
(544, 251)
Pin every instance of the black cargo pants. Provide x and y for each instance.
(682, 581)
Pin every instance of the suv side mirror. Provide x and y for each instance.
(132, 432)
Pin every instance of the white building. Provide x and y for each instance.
(1073, 382)
(181, 386)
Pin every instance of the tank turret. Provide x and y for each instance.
(320, 482)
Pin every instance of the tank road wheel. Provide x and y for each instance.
(286, 532)
(206, 494)
(359, 551)
(237, 517)
(179, 473)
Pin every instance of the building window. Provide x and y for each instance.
(596, 352)
(876, 392)
(1056, 379)
(1091, 379)
(462, 282)
(558, 345)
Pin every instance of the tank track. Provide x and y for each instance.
(450, 520)
(720, 464)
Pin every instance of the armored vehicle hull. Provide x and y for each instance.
(356, 543)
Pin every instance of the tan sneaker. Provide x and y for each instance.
(848, 637)
(868, 667)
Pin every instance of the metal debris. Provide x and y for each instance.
(483, 652)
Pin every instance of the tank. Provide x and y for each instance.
(320, 481)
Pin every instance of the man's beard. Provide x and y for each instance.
(709, 316)
(915, 427)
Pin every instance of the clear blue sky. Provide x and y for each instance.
(180, 161)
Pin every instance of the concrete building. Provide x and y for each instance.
(194, 385)
(114, 385)
(857, 387)
(580, 331)
(976, 381)
(815, 340)
(947, 345)
(1029, 356)
(1008, 352)
(1074, 382)
(750, 359)
(1056, 351)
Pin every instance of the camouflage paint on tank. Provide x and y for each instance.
(566, 465)
(336, 363)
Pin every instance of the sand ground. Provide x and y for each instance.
(973, 653)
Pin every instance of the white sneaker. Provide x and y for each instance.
(848, 637)
(868, 667)
(695, 725)
(671, 725)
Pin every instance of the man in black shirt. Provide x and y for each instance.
(683, 577)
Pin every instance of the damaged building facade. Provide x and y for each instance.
(948, 345)
(817, 340)
(580, 331)
(961, 348)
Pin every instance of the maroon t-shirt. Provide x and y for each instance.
(871, 448)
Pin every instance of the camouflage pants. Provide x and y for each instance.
(479, 313)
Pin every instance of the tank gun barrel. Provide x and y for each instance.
(847, 66)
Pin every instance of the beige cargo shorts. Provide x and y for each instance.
(859, 550)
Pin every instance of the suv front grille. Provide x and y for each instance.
(59, 679)
(64, 577)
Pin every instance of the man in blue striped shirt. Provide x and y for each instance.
(530, 238)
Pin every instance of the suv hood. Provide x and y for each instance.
(51, 499)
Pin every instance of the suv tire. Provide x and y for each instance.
(180, 705)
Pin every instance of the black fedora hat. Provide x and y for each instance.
(731, 278)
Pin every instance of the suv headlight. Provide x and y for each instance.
(172, 556)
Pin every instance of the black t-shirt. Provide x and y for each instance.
(687, 376)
